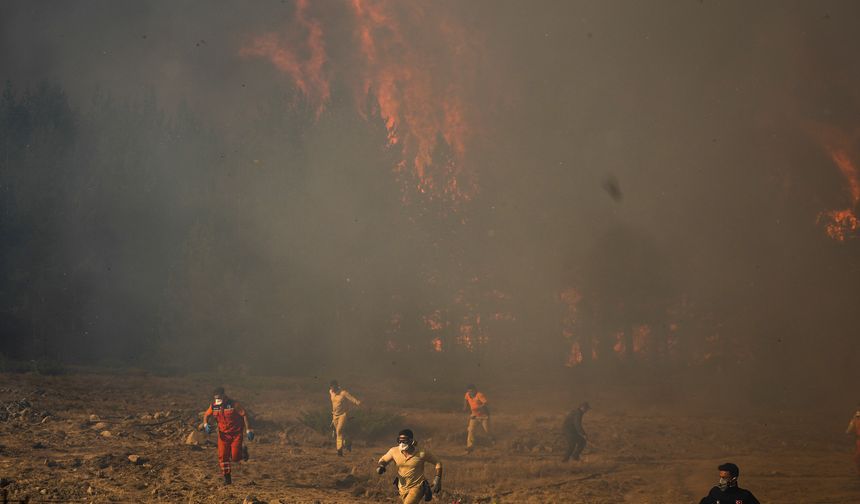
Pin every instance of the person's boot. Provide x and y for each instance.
(349, 446)
(245, 455)
(228, 479)
(340, 452)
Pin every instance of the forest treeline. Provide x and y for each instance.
(135, 234)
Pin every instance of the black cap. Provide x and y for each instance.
(585, 406)
(406, 433)
(730, 468)
(471, 386)
(333, 384)
(219, 391)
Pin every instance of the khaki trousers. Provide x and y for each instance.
(473, 425)
(412, 495)
(339, 422)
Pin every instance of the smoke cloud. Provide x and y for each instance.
(301, 186)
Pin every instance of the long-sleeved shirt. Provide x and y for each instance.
(338, 405)
(410, 466)
(229, 415)
(573, 423)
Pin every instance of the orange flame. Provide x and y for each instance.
(308, 74)
(574, 358)
(424, 111)
(641, 335)
(437, 344)
(841, 224)
(417, 109)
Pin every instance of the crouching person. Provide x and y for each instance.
(410, 460)
(231, 420)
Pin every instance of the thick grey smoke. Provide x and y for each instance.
(203, 209)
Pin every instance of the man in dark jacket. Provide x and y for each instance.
(728, 491)
(574, 432)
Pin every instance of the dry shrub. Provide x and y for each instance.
(365, 423)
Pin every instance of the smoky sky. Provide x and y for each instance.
(703, 114)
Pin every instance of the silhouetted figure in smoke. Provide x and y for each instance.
(854, 428)
(575, 434)
(410, 459)
(231, 419)
(727, 490)
(475, 403)
(340, 415)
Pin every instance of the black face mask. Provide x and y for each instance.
(726, 483)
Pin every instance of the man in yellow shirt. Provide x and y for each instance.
(475, 403)
(410, 460)
(339, 411)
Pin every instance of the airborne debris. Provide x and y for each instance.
(612, 188)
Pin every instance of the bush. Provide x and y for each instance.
(365, 423)
(48, 367)
(8, 365)
(44, 366)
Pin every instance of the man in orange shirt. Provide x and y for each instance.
(854, 428)
(475, 403)
(231, 419)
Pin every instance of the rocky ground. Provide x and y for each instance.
(97, 437)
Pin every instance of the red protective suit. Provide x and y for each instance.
(231, 423)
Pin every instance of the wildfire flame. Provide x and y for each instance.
(842, 224)
(308, 74)
(423, 109)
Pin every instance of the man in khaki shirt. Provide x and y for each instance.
(410, 460)
(339, 410)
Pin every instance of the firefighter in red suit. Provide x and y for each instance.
(854, 428)
(232, 420)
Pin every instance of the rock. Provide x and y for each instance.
(106, 433)
(158, 415)
(251, 499)
(94, 418)
(100, 426)
(90, 490)
(146, 416)
(195, 438)
(135, 459)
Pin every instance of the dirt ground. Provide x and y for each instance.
(69, 438)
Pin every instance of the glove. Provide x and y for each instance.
(250, 435)
(380, 469)
(437, 484)
(207, 428)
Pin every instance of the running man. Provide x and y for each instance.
(231, 420)
(410, 460)
(475, 403)
(339, 415)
